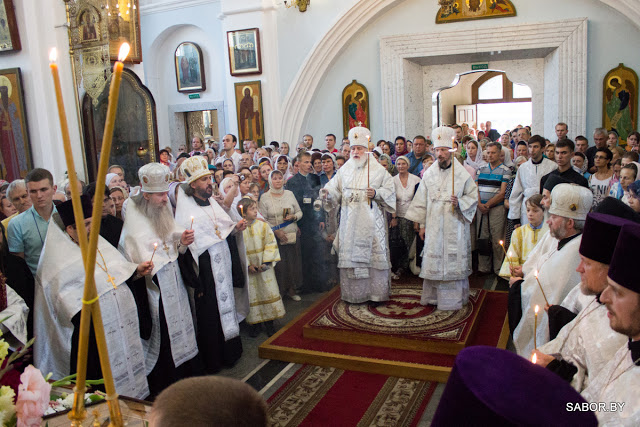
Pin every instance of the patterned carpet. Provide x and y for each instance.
(317, 396)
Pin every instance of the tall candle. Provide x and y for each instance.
(155, 246)
(543, 294)
(68, 152)
(90, 292)
(453, 175)
(191, 228)
(535, 326)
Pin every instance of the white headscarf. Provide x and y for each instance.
(478, 162)
(271, 189)
(110, 177)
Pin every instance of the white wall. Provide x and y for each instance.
(360, 59)
(460, 94)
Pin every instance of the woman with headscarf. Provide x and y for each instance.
(401, 149)
(385, 161)
(281, 211)
(474, 160)
(328, 168)
(283, 164)
(405, 184)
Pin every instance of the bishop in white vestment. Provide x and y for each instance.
(554, 272)
(150, 231)
(58, 301)
(444, 205)
(365, 191)
(619, 379)
(587, 343)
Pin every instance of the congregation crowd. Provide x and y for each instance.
(219, 233)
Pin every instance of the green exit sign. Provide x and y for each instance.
(194, 96)
(475, 67)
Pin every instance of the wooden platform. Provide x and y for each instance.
(398, 341)
(290, 344)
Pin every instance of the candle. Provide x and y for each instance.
(510, 259)
(241, 211)
(453, 175)
(534, 359)
(505, 253)
(68, 152)
(535, 326)
(90, 292)
(191, 228)
(368, 159)
(543, 294)
(155, 246)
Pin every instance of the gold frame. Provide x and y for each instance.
(465, 13)
(352, 89)
(628, 76)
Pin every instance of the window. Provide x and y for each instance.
(495, 87)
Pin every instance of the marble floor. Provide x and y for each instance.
(266, 376)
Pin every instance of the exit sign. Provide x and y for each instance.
(194, 96)
(475, 67)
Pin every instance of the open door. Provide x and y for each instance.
(466, 114)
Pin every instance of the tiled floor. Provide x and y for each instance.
(267, 376)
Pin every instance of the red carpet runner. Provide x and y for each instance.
(317, 396)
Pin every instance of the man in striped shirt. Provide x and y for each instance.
(492, 183)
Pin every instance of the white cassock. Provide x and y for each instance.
(211, 226)
(617, 382)
(446, 257)
(136, 243)
(557, 274)
(14, 325)
(58, 298)
(587, 342)
(526, 184)
(362, 239)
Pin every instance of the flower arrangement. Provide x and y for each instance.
(33, 391)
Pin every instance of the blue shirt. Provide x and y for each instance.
(490, 181)
(26, 235)
(416, 163)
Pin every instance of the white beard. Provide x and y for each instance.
(161, 218)
(358, 163)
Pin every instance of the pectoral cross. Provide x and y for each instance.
(165, 247)
(112, 280)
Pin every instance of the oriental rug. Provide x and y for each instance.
(289, 344)
(401, 323)
(317, 396)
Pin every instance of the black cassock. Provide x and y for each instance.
(215, 352)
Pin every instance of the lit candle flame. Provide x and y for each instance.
(155, 245)
(124, 52)
(53, 55)
(534, 359)
(536, 309)
(501, 243)
(536, 274)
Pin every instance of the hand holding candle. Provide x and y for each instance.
(155, 246)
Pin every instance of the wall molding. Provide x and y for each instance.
(167, 6)
(568, 38)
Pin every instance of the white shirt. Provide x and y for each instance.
(404, 195)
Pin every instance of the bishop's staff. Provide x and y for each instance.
(453, 174)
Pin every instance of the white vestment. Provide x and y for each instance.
(16, 320)
(617, 382)
(557, 275)
(136, 243)
(211, 226)
(241, 294)
(362, 242)
(58, 298)
(446, 257)
(576, 301)
(526, 184)
(587, 342)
